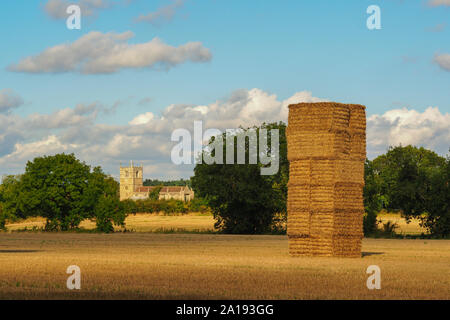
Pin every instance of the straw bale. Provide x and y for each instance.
(357, 118)
(341, 195)
(358, 146)
(326, 116)
(298, 196)
(322, 197)
(348, 224)
(298, 222)
(321, 224)
(299, 246)
(326, 171)
(300, 171)
(324, 245)
(326, 149)
(321, 245)
(348, 196)
(347, 246)
(303, 145)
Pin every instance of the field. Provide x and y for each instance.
(149, 265)
(403, 228)
(197, 222)
(193, 222)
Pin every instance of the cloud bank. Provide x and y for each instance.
(96, 53)
(146, 138)
(429, 129)
(438, 3)
(9, 100)
(443, 60)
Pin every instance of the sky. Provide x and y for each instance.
(116, 89)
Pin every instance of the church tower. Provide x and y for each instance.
(130, 179)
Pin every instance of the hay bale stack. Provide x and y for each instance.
(326, 151)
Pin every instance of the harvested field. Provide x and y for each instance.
(403, 228)
(141, 222)
(191, 266)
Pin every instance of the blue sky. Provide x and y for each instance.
(279, 47)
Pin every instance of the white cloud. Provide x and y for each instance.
(98, 52)
(430, 129)
(122, 144)
(47, 145)
(242, 107)
(142, 118)
(9, 100)
(146, 138)
(163, 14)
(443, 60)
(437, 3)
(64, 118)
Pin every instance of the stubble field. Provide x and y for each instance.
(213, 266)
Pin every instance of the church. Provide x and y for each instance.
(132, 186)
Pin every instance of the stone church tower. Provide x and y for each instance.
(132, 186)
(130, 179)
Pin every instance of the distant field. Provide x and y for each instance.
(196, 222)
(412, 228)
(193, 222)
(213, 266)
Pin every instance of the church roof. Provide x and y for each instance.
(172, 189)
(167, 189)
(144, 189)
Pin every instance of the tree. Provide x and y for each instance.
(108, 211)
(437, 219)
(154, 194)
(241, 199)
(60, 188)
(373, 199)
(9, 208)
(156, 182)
(415, 182)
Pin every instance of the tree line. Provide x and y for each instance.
(413, 182)
(65, 191)
(409, 180)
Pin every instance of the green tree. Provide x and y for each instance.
(373, 199)
(60, 188)
(241, 199)
(10, 209)
(108, 211)
(154, 194)
(415, 182)
(156, 182)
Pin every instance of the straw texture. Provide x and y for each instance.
(326, 151)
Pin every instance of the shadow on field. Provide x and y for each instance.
(366, 254)
(18, 251)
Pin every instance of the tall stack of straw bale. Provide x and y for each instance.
(326, 151)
